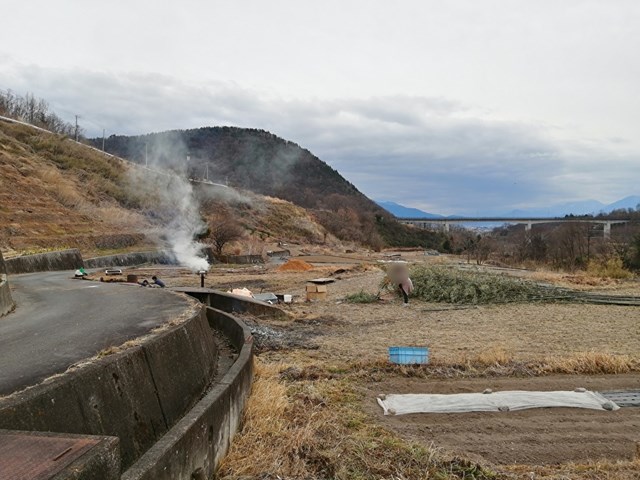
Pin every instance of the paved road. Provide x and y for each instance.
(60, 321)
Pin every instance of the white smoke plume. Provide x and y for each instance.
(185, 225)
(168, 197)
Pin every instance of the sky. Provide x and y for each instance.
(456, 107)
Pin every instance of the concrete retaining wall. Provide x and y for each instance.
(233, 303)
(199, 441)
(279, 254)
(136, 395)
(3, 268)
(242, 259)
(130, 259)
(6, 301)
(45, 262)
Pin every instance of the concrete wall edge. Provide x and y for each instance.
(17, 409)
(192, 445)
(6, 300)
(231, 303)
(70, 259)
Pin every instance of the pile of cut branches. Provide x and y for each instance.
(450, 285)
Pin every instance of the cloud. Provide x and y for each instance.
(432, 153)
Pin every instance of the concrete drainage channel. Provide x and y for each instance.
(194, 447)
(6, 302)
(139, 415)
(196, 444)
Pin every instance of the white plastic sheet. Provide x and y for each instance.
(492, 402)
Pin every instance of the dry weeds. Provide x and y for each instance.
(592, 363)
(316, 430)
(497, 363)
(308, 422)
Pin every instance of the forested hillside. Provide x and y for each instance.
(264, 163)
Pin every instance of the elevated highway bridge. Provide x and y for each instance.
(527, 221)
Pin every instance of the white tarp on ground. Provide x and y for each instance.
(491, 402)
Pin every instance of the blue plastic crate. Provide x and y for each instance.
(409, 355)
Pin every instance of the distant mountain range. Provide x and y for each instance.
(401, 211)
(584, 207)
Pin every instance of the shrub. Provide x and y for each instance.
(609, 268)
(362, 297)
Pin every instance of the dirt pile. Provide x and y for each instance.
(295, 266)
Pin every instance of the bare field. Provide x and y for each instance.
(532, 437)
(348, 345)
(522, 331)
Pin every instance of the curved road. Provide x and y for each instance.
(59, 321)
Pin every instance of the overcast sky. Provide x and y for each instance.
(455, 107)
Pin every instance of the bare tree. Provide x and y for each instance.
(32, 110)
(483, 248)
(569, 245)
(467, 241)
(531, 246)
(223, 228)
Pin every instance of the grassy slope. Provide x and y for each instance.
(57, 194)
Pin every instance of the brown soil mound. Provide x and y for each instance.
(295, 266)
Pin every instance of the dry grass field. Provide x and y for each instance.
(313, 412)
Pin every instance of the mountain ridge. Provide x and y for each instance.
(583, 207)
(261, 162)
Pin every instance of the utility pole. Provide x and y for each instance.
(146, 156)
(76, 128)
(103, 139)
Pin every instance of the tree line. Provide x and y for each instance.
(569, 246)
(34, 111)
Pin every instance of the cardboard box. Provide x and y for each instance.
(316, 292)
(316, 295)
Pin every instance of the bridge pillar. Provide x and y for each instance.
(607, 230)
